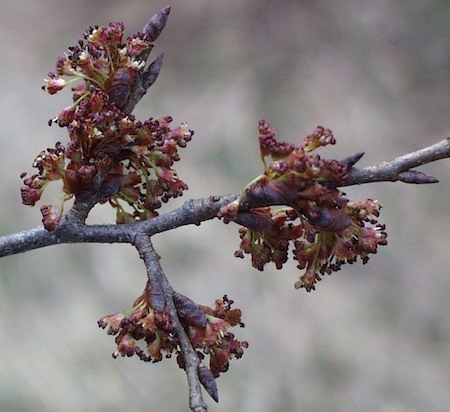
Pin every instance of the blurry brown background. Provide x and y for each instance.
(373, 338)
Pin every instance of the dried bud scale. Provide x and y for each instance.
(294, 205)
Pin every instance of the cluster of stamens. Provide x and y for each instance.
(295, 204)
(146, 330)
(109, 155)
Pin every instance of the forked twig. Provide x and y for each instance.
(155, 273)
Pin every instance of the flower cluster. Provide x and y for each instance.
(295, 203)
(149, 321)
(109, 154)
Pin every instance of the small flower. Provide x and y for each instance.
(141, 322)
(33, 189)
(64, 66)
(54, 85)
(319, 137)
(66, 116)
(29, 195)
(106, 37)
(51, 163)
(136, 45)
(51, 217)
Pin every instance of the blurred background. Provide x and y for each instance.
(370, 338)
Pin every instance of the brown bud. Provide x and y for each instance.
(118, 86)
(208, 382)
(156, 24)
(72, 181)
(51, 216)
(266, 192)
(351, 160)
(414, 176)
(255, 220)
(330, 220)
(155, 295)
(189, 312)
(152, 72)
(110, 186)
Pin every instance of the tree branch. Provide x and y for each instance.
(191, 212)
(199, 210)
(69, 233)
(155, 273)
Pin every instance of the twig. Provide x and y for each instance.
(392, 171)
(79, 212)
(191, 212)
(155, 273)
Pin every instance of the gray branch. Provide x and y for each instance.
(193, 212)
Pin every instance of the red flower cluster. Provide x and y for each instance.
(150, 322)
(295, 203)
(109, 153)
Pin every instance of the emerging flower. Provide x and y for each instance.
(149, 322)
(109, 154)
(295, 204)
(51, 216)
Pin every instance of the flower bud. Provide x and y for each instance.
(51, 217)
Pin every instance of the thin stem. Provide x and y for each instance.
(390, 171)
(192, 212)
(155, 273)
